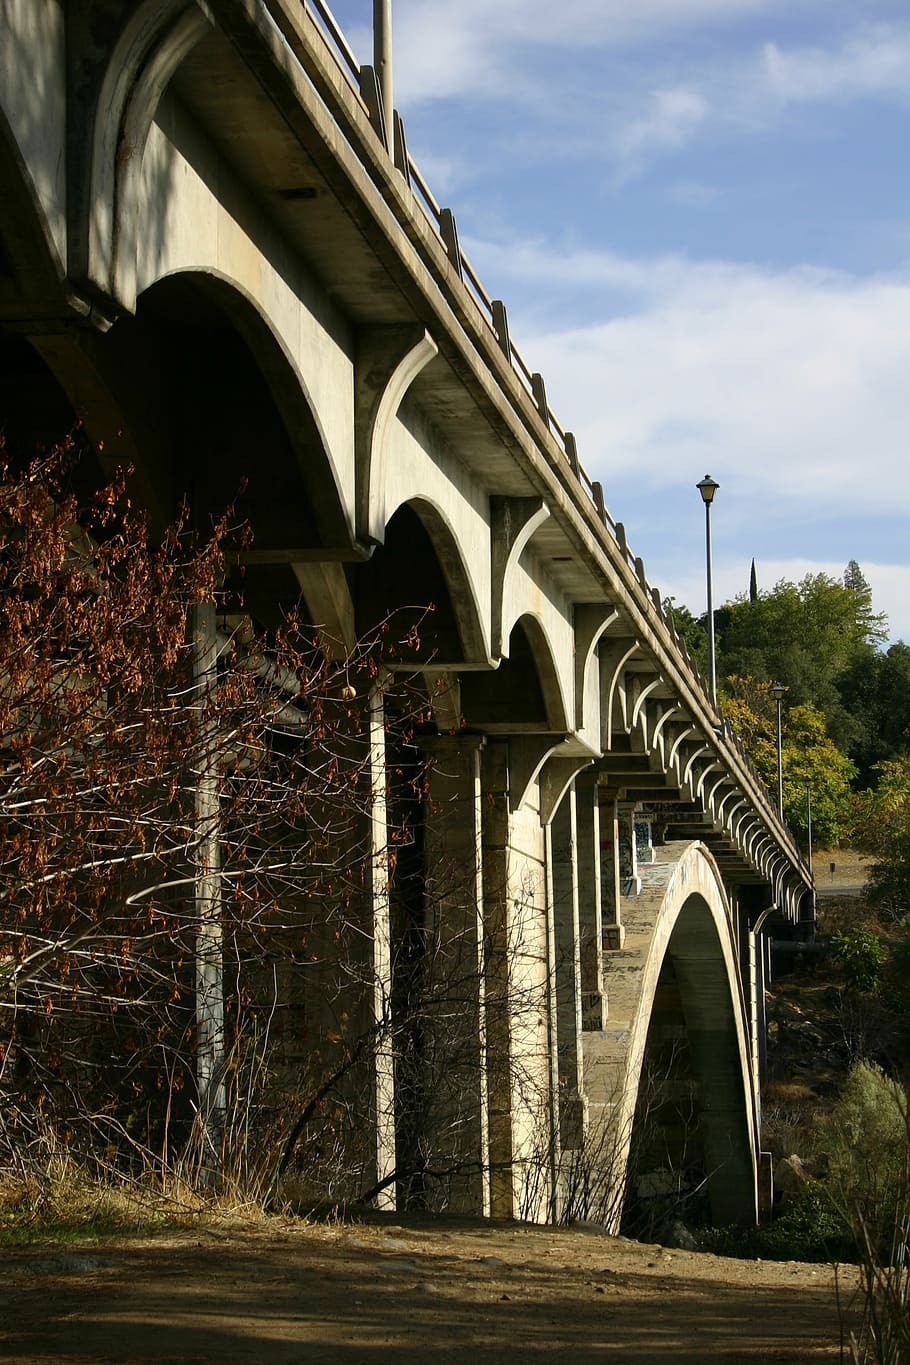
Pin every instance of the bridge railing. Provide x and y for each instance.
(486, 307)
(340, 48)
(436, 216)
(492, 313)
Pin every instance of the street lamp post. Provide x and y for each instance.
(809, 839)
(777, 692)
(382, 58)
(708, 487)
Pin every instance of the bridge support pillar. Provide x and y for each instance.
(732, 1180)
(590, 910)
(611, 884)
(383, 1063)
(456, 1119)
(563, 899)
(630, 882)
(497, 973)
(754, 944)
(521, 1089)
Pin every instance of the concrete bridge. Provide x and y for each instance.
(215, 248)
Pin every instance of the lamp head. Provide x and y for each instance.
(778, 690)
(707, 487)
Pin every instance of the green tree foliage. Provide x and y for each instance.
(808, 635)
(883, 828)
(875, 689)
(862, 955)
(863, 1144)
(810, 757)
(692, 631)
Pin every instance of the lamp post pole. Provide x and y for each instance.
(708, 487)
(809, 836)
(777, 692)
(382, 57)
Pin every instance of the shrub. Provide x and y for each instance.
(810, 1228)
(862, 955)
(864, 1143)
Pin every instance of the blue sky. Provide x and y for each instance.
(698, 215)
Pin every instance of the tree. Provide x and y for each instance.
(220, 953)
(883, 828)
(865, 1145)
(876, 691)
(691, 631)
(810, 758)
(185, 822)
(807, 636)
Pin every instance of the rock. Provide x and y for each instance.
(790, 1175)
(678, 1235)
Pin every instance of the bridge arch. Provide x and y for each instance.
(222, 404)
(525, 694)
(152, 44)
(683, 932)
(421, 565)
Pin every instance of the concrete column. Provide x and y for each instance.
(590, 916)
(340, 995)
(209, 952)
(630, 882)
(609, 865)
(610, 878)
(732, 1179)
(762, 982)
(520, 1002)
(562, 838)
(498, 973)
(383, 1080)
(457, 1132)
(753, 952)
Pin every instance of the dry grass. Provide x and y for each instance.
(59, 1199)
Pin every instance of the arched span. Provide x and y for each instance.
(682, 916)
(459, 574)
(421, 564)
(522, 697)
(551, 683)
(153, 42)
(173, 340)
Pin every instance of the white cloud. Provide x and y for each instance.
(648, 93)
(871, 61)
(790, 386)
(671, 119)
(796, 380)
(693, 194)
(748, 92)
(475, 48)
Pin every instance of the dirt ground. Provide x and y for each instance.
(279, 1291)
